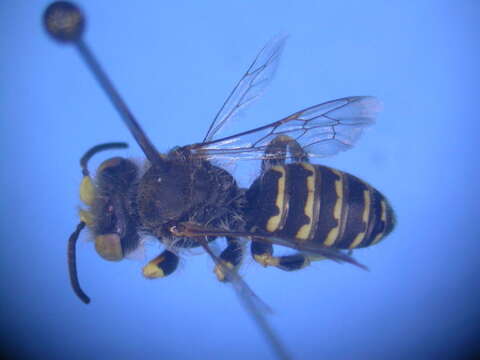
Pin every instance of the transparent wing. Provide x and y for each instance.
(251, 85)
(255, 307)
(321, 130)
(193, 230)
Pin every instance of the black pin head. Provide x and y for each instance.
(64, 21)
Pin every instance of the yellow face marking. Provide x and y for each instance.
(382, 218)
(87, 191)
(337, 211)
(274, 222)
(366, 214)
(306, 230)
(86, 217)
(109, 247)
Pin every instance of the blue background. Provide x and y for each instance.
(175, 63)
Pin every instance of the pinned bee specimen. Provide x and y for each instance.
(184, 200)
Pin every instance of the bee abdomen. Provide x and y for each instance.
(313, 203)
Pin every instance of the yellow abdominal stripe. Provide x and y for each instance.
(305, 230)
(337, 211)
(366, 214)
(384, 219)
(274, 221)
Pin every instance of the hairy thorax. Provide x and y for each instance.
(194, 191)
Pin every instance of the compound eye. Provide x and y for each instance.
(111, 163)
(117, 171)
(109, 247)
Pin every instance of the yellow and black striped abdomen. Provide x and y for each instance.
(313, 203)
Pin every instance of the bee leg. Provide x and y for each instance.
(276, 152)
(161, 266)
(263, 254)
(293, 262)
(232, 256)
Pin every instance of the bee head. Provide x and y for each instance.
(107, 213)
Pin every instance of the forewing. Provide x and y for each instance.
(321, 130)
(251, 85)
